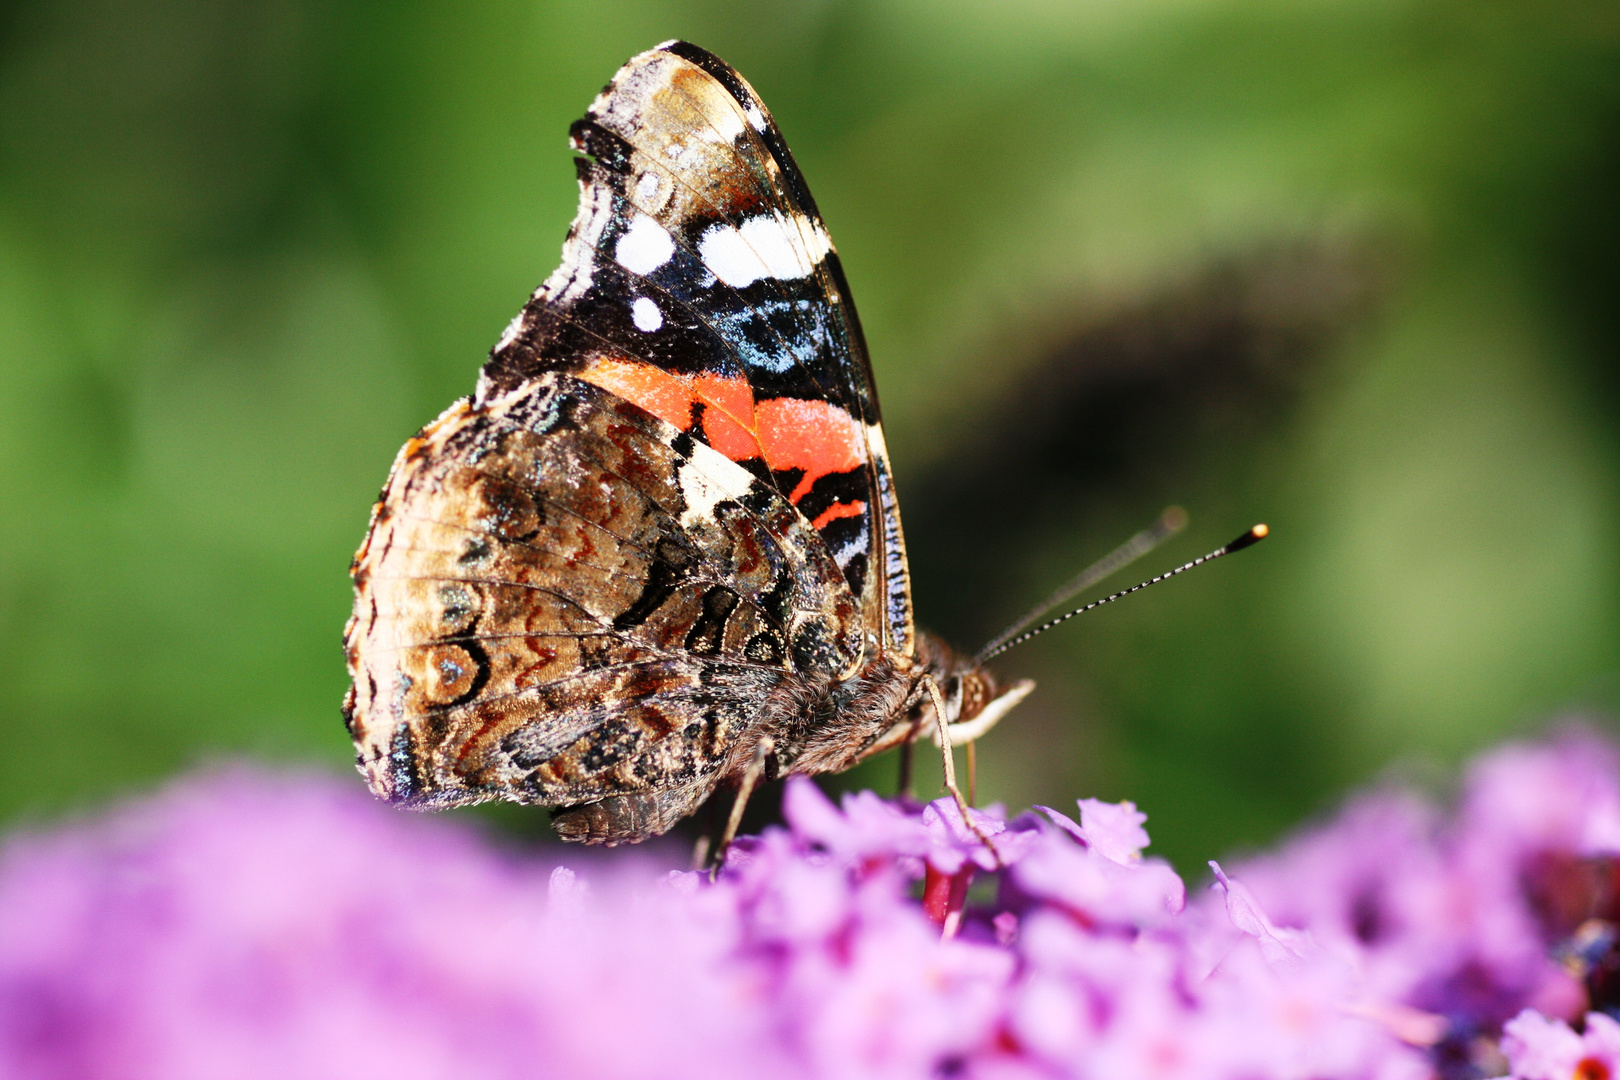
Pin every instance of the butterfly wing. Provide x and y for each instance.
(564, 600)
(699, 282)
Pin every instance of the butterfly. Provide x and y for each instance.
(658, 551)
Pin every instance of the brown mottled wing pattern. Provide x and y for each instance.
(563, 599)
(699, 281)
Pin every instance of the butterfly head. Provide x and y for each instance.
(975, 698)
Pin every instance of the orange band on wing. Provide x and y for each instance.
(816, 436)
(668, 397)
(836, 511)
(728, 419)
(728, 414)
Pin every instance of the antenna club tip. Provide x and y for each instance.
(1174, 519)
(1253, 536)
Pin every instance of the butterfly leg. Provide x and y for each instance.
(950, 766)
(750, 780)
(705, 841)
(903, 787)
(973, 772)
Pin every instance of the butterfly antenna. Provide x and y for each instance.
(1172, 521)
(1253, 536)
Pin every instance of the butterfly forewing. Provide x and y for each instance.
(699, 282)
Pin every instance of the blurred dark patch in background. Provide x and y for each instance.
(1125, 406)
(1348, 269)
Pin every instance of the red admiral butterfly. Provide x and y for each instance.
(661, 540)
(658, 550)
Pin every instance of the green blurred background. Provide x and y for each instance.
(1345, 266)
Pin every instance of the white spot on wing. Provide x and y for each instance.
(756, 119)
(646, 314)
(647, 185)
(708, 479)
(762, 247)
(644, 246)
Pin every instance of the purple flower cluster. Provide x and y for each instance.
(1507, 914)
(243, 924)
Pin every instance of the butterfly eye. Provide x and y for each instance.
(975, 693)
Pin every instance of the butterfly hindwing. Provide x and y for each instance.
(563, 598)
(699, 282)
